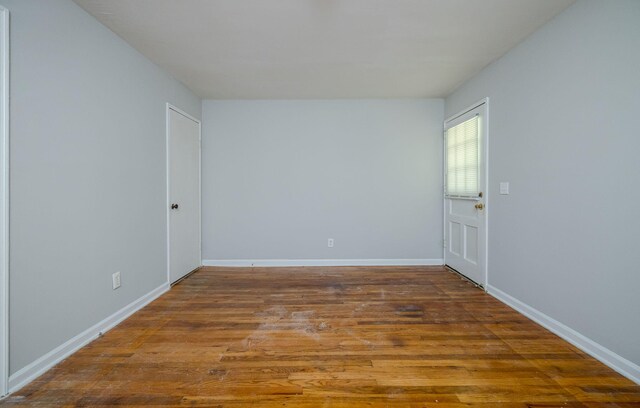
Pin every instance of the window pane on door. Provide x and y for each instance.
(462, 159)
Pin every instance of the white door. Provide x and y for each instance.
(184, 193)
(466, 193)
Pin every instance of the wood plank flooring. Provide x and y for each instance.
(329, 337)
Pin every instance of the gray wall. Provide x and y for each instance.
(563, 112)
(87, 174)
(281, 177)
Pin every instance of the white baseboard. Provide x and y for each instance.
(29, 373)
(608, 357)
(320, 262)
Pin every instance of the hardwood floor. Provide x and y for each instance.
(329, 337)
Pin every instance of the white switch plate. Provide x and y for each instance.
(330, 242)
(116, 280)
(504, 187)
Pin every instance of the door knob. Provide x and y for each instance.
(479, 206)
(174, 206)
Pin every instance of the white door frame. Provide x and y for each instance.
(4, 201)
(170, 108)
(485, 167)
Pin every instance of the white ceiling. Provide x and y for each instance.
(295, 49)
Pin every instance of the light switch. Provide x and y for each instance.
(504, 187)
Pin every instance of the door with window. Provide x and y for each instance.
(466, 193)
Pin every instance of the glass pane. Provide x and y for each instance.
(462, 158)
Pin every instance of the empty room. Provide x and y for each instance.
(319, 203)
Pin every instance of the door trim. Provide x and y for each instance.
(4, 202)
(485, 168)
(170, 108)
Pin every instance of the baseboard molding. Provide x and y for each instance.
(29, 373)
(599, 352)
(320, 262)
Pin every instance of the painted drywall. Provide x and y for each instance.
(87, 174)
(315, 49)
(563, 107)
(281, 177)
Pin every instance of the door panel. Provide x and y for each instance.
(465, 217)
(460, 208)
(184, 195)
(471, 244)
(455, 243)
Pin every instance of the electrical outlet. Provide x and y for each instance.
(330, 242)
(116, 280)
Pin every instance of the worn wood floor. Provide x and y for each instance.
(329, 337)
